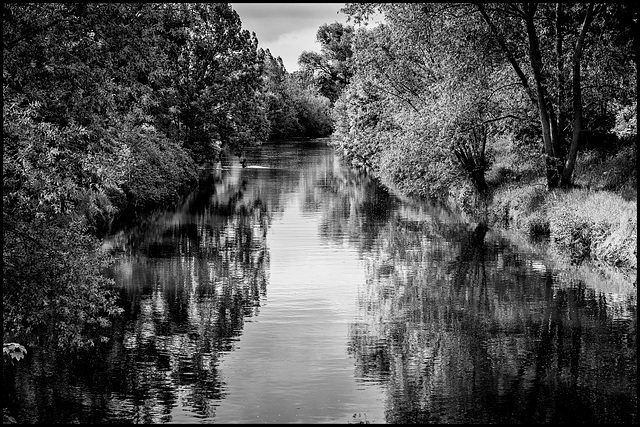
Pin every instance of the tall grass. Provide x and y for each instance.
(522, 207)
(596, 220)
(594, 224)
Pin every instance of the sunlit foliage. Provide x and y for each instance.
(458, 78)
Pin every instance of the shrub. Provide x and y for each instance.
(600, 225)
(617, 173)
(619, 247)
(571, 233)
(537, 224)
(621, 170)
(500, 175)
(53, 291)
(421, 168)
(522, 208)
(466, 199)
(159, 171)
(514, 161)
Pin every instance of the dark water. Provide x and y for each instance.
(297, 290)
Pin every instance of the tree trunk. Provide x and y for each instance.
(552, 146)
(479, 181)
(577, 100)
(560, 100)
(471, 157)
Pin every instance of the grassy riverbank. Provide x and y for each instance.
(596, 221)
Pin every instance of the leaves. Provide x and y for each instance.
(329, 71)
(13, 351)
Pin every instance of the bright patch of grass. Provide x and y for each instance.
(600, 225)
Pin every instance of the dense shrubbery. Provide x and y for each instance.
(519, 207)
(582, 223)
(295, 108)
(53, 286)
(160, 171)
(313, 115)
(617, 173)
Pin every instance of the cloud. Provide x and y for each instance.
(288, 29)
(271, 20)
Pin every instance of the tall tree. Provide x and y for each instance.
(88, 119)
(330, 69)
(436, 97)
(548, 29)
(216, 70)
(281, 109)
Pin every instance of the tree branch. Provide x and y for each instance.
(507, 52)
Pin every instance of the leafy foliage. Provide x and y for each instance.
(52, 285)
(410, 106)
(160, 169)
(13, 351)
(213, 71)
(295, 108)
(280, 107)
(330, 70)
(472, 78)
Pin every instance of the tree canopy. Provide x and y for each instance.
(437, 85)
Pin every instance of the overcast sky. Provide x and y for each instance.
(288, 29)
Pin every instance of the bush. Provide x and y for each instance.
(466, 200)
(537, 224)
(521, 208)
(600, 225)
(622, 174)
(617, 173)
(417, 165)
(53, 291)
(160, 169)
(514, 161)
(571, 233)
(619, 247)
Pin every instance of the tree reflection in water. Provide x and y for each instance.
(190, 278)
(210, 262)
(463, 328)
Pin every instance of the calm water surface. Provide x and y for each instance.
(296, 290)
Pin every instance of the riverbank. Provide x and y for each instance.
(594, 222)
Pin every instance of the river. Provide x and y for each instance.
(298, 290)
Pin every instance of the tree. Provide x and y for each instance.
(53, 288)
(213, 80)
(281, 109)
(91, 125)
(330, 69)
(548, 30)
(426, 105)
